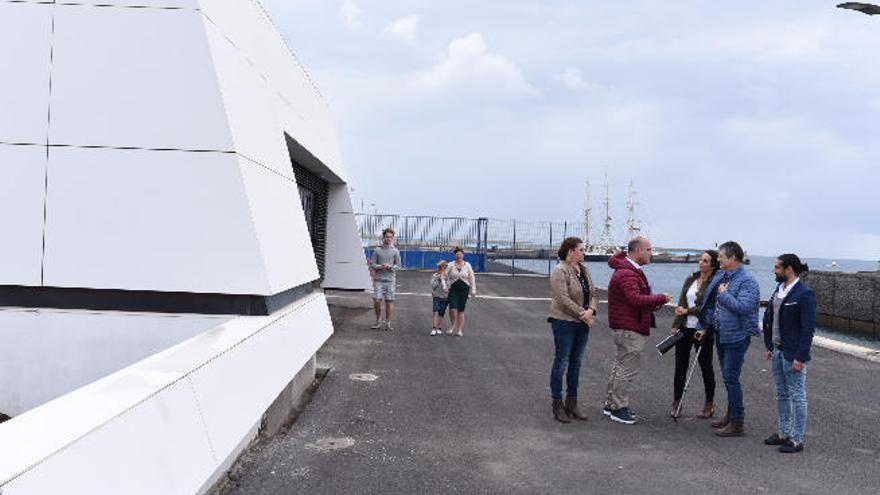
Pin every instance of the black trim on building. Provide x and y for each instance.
(149, 301)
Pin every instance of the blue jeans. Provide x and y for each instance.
(791, 397)
(440, 306)
(570, 338)
(732, 355)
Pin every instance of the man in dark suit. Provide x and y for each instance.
(789, 323)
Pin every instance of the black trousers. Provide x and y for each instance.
(682, 361)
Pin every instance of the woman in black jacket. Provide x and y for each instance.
(687, 321)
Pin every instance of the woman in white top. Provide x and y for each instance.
(687, 320)
(462, 283)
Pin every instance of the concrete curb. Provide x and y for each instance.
(858, 351)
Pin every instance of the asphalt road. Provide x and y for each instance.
(472, 414)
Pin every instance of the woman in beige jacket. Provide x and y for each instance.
(572, 309)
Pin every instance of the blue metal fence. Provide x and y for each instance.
(427, 260)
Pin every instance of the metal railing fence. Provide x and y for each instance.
(509, 245)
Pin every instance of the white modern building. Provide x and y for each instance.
(172, 202)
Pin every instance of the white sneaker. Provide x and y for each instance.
(433, 332)
(378, 325)
(388, 326)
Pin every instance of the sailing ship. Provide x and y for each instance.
(605, 248)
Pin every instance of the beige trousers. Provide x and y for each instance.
(626, 366)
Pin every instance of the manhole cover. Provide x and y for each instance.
(363, 377)
(328, 444)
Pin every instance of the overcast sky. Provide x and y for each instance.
(758, 121)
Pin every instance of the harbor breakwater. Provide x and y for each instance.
(849, 301)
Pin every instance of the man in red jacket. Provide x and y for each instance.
(631, 309)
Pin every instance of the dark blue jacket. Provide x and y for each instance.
(737, 309)
(797, 322)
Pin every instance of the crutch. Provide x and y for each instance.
(687, 382)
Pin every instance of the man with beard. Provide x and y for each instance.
(789, 323)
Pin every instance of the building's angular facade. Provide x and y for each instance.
(150, 145)
(172, 201)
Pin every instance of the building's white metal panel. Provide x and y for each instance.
(249, 106)
(25, 35)
(345, 265)
(142, 78)
(280, 226)
(22, 187)
(246, 24)
(151, 220)
(159, 4)
(301, 111)
(257, 370)
(159, 446)
(50, 428)
(75, 348)
(167, 423)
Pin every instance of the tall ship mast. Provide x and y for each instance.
(588, 210)
(606, 247)
(606, 242)
(633, 226)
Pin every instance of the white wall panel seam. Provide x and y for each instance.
(20, 143)
(250, 61)
(48, 134)
(201, 421)
(137, 148)
(24, 145)
(290, 51)
(45, 219)
(315, 297)
(270, 83)
(311, 129)
(266, 167)
(254, 231)
(237, 141)
(299, 64)
(107, 5)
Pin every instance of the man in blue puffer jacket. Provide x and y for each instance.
(734, 317)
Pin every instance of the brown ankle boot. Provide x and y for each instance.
(708, 411)
(734, 429)
(675, 412)
(721, 423)
(559, 411)
(571, 409)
